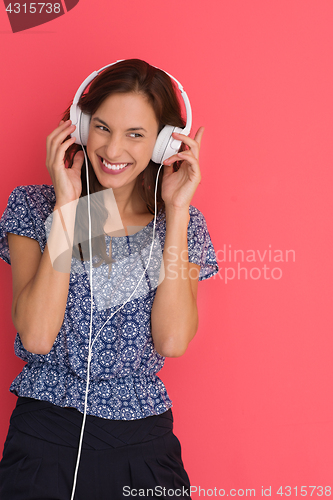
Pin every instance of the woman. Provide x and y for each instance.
(90, 346)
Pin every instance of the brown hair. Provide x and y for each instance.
(132, 75)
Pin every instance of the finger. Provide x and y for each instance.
(171, 160)
(61, 126)
(193, 144)
(58, 158)
(62, 130)
(167, 170)
(188, 156)
(53, 146)
(78, 160)
(53, 143)
(199, 134)
(178, 157)
(185, 139)
(184, 156)
(197, 138)
(192, 162)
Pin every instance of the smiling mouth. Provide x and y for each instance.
(114, 166)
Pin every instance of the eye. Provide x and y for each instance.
(101, 127)
(134, 135)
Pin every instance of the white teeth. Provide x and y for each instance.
(114, 167)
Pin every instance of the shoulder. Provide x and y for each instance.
(37, 193)
(27, 210)
(195, 213)
(39, 199)
(197, 219)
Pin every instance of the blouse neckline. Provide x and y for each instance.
(150, 224)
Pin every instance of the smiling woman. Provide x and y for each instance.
(95, 335)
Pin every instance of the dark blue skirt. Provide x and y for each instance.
(120, 459)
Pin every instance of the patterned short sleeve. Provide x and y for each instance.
(25, 215)
(200, 247)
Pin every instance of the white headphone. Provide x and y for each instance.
(165, 145)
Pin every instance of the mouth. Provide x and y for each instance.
(112, 167)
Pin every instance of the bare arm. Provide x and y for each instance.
(39, 291)
(174, 316)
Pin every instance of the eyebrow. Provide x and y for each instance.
(128, 130)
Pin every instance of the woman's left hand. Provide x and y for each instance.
(179, 187)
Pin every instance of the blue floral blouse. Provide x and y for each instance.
(123, 381)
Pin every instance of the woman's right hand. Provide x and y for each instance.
(66, 181)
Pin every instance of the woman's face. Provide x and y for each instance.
(121, 139)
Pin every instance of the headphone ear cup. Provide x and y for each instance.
(161, 144)
(166, 145)
(84, 124)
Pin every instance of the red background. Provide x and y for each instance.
(253, 393)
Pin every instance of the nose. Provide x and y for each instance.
(114, 147)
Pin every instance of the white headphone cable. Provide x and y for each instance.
(90, 333)
(91, 313)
